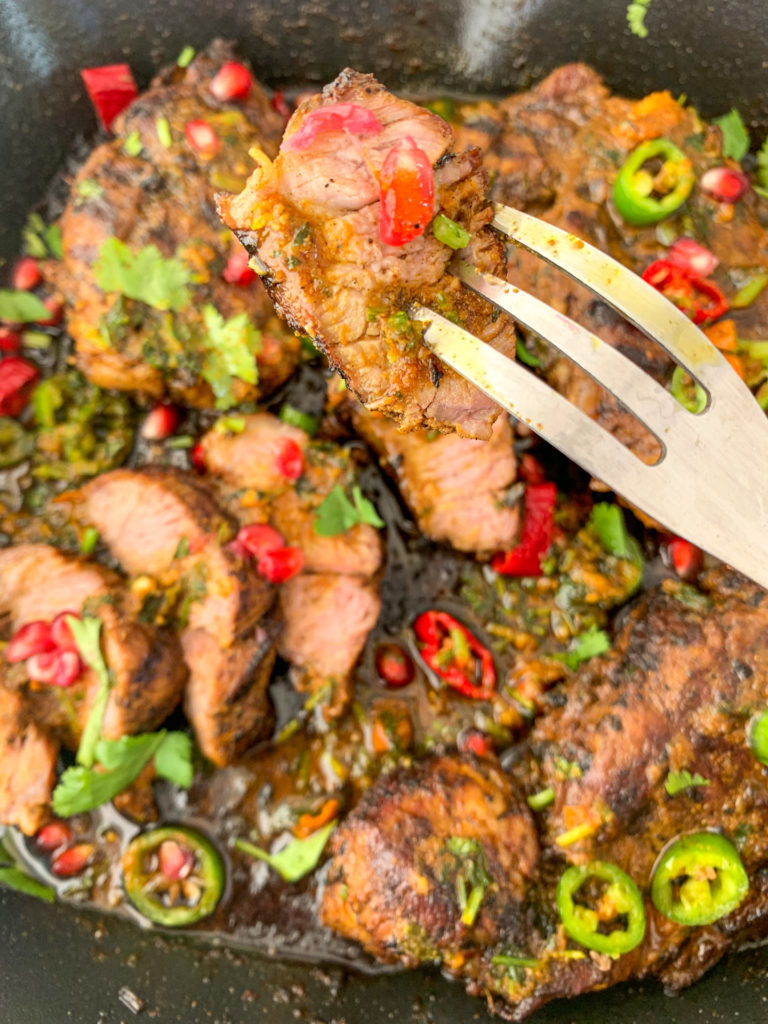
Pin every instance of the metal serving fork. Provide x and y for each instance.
(710, 484)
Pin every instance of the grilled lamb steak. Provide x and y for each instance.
(313, 220)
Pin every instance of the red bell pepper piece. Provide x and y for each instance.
(455, 655)
(407, 193)
(536, 537)
(336, 117)
(698, 297)
(111, 89)
(16, 377)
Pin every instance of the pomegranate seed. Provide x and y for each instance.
(53, 836)
(10, 341)
(689, 255)
(281, 564)
(197, 458)
(232, 81)
(237, 270)
(34, 638)
(724, 184)
(16, 376)
(289, 461)
(531, 470)
(160, 422)
(281, 104)
(685, 558)
(394, 665)
(42, 668)
(72, 861)
(68, 670)
(476, 743)
(56, 309)
(202, 138)
(176, 861)
(26, 274)
(256, 540)
(61, 634)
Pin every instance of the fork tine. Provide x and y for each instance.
(533, 401)
(720, 504)
(639, 392)
(634, 299)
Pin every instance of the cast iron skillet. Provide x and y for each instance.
(57, 966)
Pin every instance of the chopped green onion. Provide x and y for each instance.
(526, 357)
(163, 129)
(514, 961)
(296, 418)
(680, 388)
(133, 145)
(89, 541)
(449, 232)
(182, 441)
(545, 797)
(185, 57)
(36, 339)
(230, 425)
(755, 349)
(746, 296)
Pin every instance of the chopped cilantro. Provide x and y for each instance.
(231, 347)
(185, 57)
(182, 549)
(302, 234)
(229, 425)
(337, 514)
(132, 145)
(636, 12)
(471, 878)
(296, 859)
(146, 276)
(585, 646)
(87, 189)
(21, 307)
(607, 523)
(735, 134)
(677, 782)
(41, 239)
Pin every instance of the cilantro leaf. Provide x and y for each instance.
(677, 782)
(231, 347)
(87, 635)
(21, 307)
(585, 646)
(296, 859)
(15, 878)
(81, 789)
(87, 189)
(173, 759)
(145, 276)
(607, 523)
(636, 12)
(336, 514)
(40, 239)
(735, 134)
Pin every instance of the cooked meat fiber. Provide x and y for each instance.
(27, 766)
(400, 858)
(162, 196)
(331, 606)
(38, 582)
(456, 487)
(166, 525)
(313, 220)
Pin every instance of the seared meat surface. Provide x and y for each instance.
(166, 526)
(313, 220)
(27, 765)
(157, 191)
(407, 858)
(38, 583)
(457, 488)
(331, 606)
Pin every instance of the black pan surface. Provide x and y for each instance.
(60, 965)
